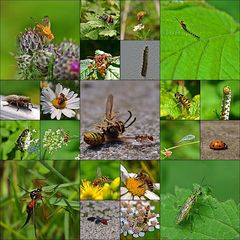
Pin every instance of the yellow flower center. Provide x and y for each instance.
(135, 186)
(59, 102)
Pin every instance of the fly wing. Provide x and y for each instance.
(46, 21)
(39, 183)
(98, 173)
(109, 106)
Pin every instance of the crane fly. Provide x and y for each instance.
(184, 27)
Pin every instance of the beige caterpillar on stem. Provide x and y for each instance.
(226, 101)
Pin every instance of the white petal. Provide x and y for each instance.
(135, 235)
(157, 226)
(151, 229)
(136, 198)
(127, 196)
(142, 198)
(58, 89)
(141, 234)
(68, 112)
(123, 190)
(151, 195)
(156, 186)
(124, 174)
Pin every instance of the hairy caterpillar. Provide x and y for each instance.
(226, 101)
(145, 61)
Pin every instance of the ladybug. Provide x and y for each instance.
(217, 144)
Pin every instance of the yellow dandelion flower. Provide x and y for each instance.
(90, 192)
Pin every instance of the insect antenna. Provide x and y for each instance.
(130, 116)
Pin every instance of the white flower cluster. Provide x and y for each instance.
(138, 218)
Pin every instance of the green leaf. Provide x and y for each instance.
(112, 73)
(85, 70)
(108, 33)
(171, 109)
(183, 56)
(210, 219)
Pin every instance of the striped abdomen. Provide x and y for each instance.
(183, 100)
(94, 138)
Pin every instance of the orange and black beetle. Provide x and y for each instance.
(217, 144)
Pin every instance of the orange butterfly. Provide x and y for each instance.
(44, 28)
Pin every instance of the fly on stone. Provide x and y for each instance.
(188, 206)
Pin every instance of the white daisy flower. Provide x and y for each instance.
(62, 101)
(136, 189)
(138, 27)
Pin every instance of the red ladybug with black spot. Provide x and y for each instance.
(217, 144)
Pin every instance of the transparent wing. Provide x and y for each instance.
(109, 106)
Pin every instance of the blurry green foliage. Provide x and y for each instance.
(88, 169)
(214, 56)
(171, 108)
(16, 16)
(62, 208)
(150, 20)
(10, 131)
(69, 152)
(173, 131)
(211, 99)
(26, 88)
(93, 27)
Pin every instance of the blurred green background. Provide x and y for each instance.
(69, 152)
(174, 131)
(26, 88)
(211, 99)
(222, 176)
(10, 131)
(61, 224)
(230, 6)
(88, 169)
(16, 16)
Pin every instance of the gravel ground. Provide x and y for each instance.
(228, 132)
(141, 98)
(108, 210)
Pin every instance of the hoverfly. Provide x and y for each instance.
(183, 100)
(111, 129)
(44, 28)
(100, 180)
(19, 101)
(145, 219)
(20, 143)
(98, 220)
(146, 180)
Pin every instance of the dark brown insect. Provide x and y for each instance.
(217, 144)
(19, 101)
(183, 100)
(106, 18)
(145, 62)
(146, 180)
(146, 214)
(61, 99)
